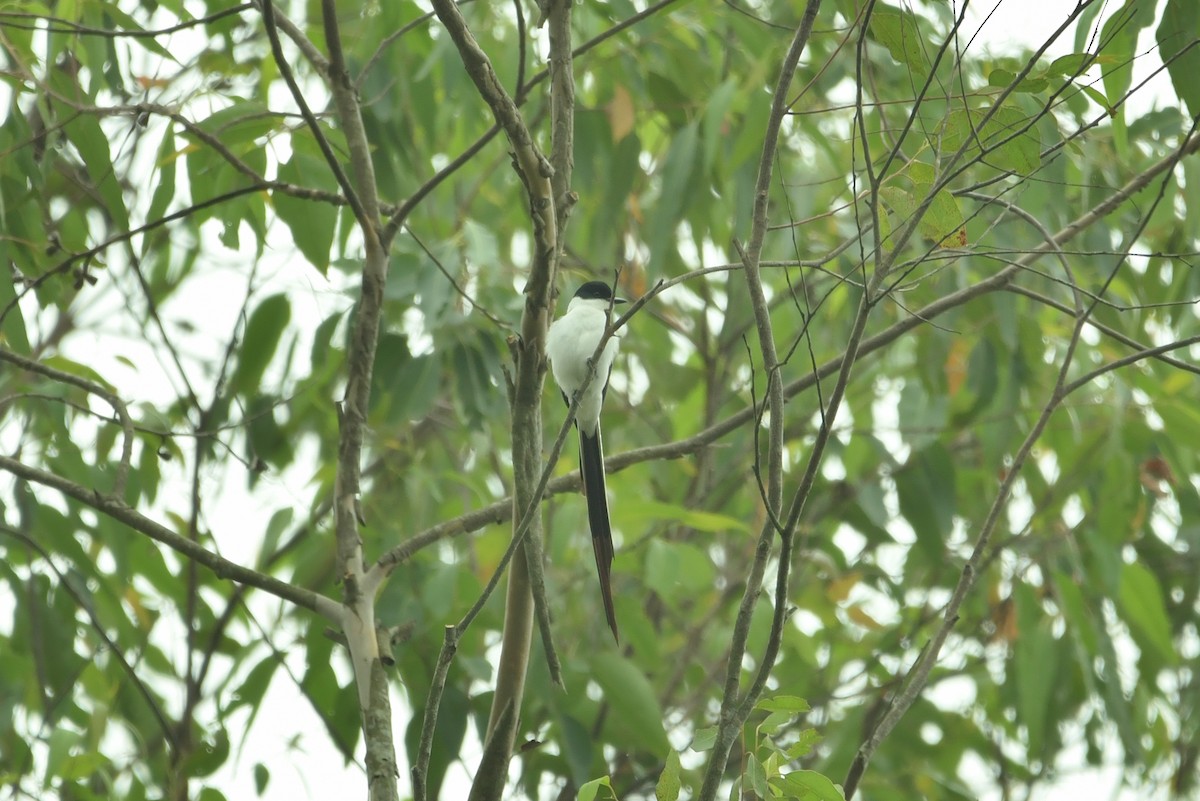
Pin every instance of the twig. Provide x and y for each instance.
(730, 718)
(66, 263)
(535, 172)
(501, 510)
(222, 567)
(60, 25)
(331, 159)
(109, 397)
(918, 675)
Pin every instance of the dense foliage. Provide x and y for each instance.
(1015, 432)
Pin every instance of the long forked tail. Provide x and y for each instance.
(591, 465)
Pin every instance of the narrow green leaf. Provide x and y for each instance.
(755, 776)
(636, 718)
(312, 223)
(677, 172)
(646, 509)
(926, 487)
(259, 342)
(167, 166)
(275, 528)
(1036, 658)
(1142, 607)
(669, 785)
(91, 141)
(1176, 37)
(13, 334)
(261, 777)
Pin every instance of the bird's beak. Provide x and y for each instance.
(619, 300)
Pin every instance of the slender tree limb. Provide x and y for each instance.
(61, 25)
(121, 512)
(84, 255)
(358, 618)
(730, 718)
(298, 37)
(918, 675)
(398, 215)
(91, 387)
(535, 173)
(331, 159)
(501, 510)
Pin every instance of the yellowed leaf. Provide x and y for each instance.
(862, 618)
(839, 589)
(620, 113)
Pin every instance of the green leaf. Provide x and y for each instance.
(808, 785)
(209, 755)
(1142, 607)
(1030, 84)
(678, 569)
(669, 785)
(578, 747)
(648, 510)
(1118, 41)
(637, 719)
(942, 220)
(91, 141)
(164, 183)
(704, 739)
(677, 172)
(1036, 658)
(1072, 64)
(755, 776)
(312, 222)
(12, 321)
(1176, 37)
(784, 703)
(808, 740)
(280, 520)
(926, 487)
(591, 790)
(123, 22)
(259, 342)
(897, 30)
(261, 777)
(255, 685)
(1008, 140)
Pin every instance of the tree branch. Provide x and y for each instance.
(222, 567)
(118, 405)
(731, 718)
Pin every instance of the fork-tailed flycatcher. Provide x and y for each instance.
(570, 345)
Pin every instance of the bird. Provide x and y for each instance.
(570, 344)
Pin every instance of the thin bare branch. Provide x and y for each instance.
(222, 567)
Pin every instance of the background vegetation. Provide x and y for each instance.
(902, 440)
